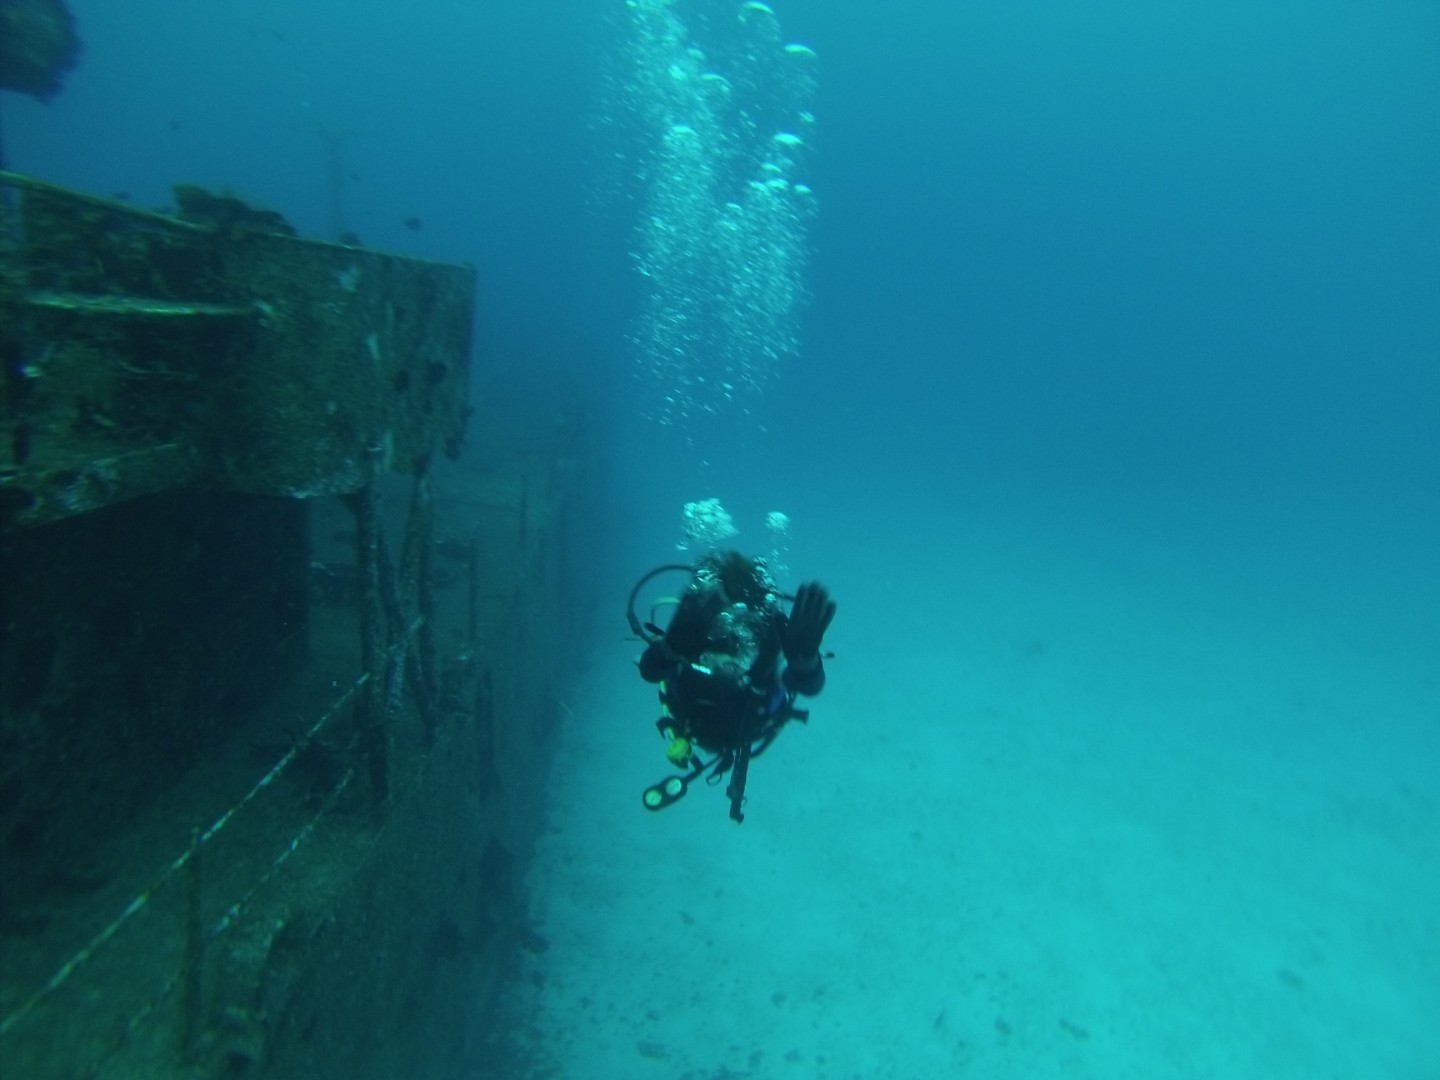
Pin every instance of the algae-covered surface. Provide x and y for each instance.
(146, 352)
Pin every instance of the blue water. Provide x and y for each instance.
(1115, 426)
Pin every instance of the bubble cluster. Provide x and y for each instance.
(777, 524)
(710, 109)
(705, 525)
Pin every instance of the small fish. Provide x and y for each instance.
(414, 224)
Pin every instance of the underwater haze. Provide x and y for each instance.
(1091, 353)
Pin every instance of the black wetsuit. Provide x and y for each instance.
(719, 717)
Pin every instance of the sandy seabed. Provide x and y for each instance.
(1071, 806)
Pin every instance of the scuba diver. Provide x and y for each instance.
(723, 686)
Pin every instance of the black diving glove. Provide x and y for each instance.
(809, 619)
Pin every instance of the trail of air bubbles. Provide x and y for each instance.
(712, 109)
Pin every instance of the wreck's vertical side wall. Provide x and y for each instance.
(392, 975)
(132, 639)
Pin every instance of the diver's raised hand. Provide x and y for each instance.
(809, 619)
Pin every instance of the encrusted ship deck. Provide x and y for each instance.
(265, 656)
